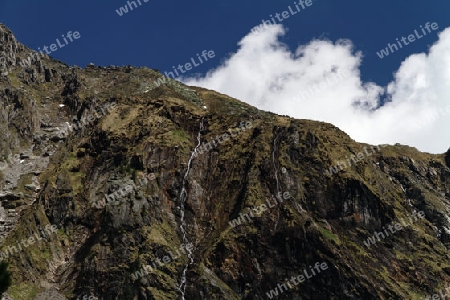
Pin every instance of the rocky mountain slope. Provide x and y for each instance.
(177, 192)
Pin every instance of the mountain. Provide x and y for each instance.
(113, 186)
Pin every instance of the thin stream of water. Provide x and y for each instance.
(276, 177)
(183, 198)
(274, 166)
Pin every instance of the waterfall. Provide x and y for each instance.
(183, 198)
(276, 178)
(274, 166)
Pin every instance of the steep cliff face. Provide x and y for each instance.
(177, 192)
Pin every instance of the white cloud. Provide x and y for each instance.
(266, 74)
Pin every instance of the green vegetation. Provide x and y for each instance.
(329, 235)
(23, 291)
(180, 135)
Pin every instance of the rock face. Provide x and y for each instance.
(177, 192)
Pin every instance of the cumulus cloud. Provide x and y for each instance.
(321, 81)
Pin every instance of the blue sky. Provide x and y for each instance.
(161, 34)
